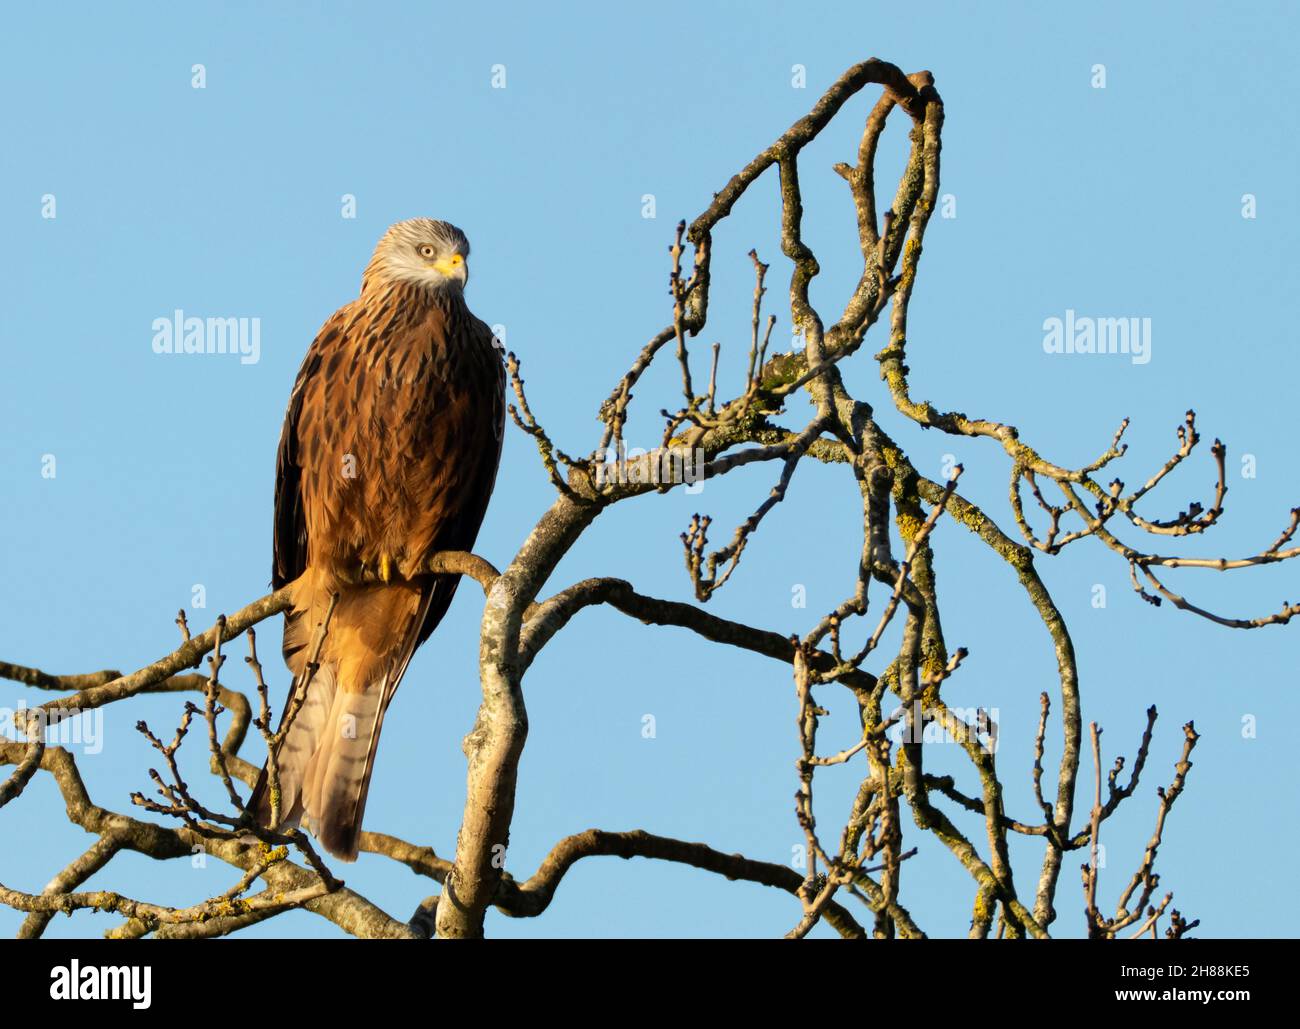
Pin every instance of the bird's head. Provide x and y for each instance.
(421, 252)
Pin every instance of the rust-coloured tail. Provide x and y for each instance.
(326, 759)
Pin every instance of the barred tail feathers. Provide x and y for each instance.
(326, 761)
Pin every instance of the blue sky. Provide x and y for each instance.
(226, 201)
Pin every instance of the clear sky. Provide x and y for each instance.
(227, 201)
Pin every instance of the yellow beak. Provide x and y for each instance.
(453, 267)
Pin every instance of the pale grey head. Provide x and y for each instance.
(420, 252)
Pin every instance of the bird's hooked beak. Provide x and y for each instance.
(453, 267)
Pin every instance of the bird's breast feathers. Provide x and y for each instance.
(395, 426)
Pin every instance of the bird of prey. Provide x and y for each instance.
(388, 455)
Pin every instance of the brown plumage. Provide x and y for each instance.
(388, 455)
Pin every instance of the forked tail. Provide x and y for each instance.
(327, 757)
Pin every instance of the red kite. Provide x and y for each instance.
(388, 455)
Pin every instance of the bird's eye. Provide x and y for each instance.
(426, 251)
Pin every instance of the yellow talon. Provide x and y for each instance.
(385, 568)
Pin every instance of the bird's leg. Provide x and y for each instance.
(350, 572)
(358, 573)
(411, 565)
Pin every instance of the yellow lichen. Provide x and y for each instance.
(909, 526)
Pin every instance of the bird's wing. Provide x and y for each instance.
(460, 531)
(289, 546)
